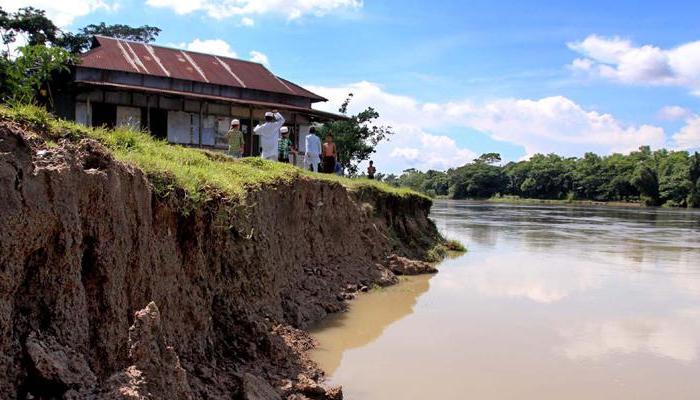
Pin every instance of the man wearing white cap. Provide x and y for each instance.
(312, 159)
(236, 142)
(284, 149)
(269, 133)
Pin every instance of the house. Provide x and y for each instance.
(185, 97)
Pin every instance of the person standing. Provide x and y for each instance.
(329, 155)
(371, 170)
(284, 147)
(269, 133)
(236, 141)
(313, 150)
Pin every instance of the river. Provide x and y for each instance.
(548, 303)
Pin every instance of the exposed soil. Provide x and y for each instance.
(110, 291)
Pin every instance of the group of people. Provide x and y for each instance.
(276, 145)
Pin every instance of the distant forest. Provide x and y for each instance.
(656, 178)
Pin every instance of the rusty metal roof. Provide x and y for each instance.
(141, 58)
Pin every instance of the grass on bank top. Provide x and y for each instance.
(199, 172)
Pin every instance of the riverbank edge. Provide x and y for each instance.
(111, 285)
(564, 202)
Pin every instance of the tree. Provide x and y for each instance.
(356, 137)
(45, 54)
(589, 177)
(81, 41)
(674, 178)
(647, 182)
(33, 68)
(489, 158)
(32, 22)
(694, 178)
(476, 180)
(542, 176)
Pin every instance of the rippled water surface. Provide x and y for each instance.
(549, 303)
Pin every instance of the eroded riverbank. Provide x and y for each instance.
(111, 287)
(549, 303)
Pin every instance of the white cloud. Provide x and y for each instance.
(620, 60)
(673, 336)
(412, 146)
(689, 136)
(259, 57)
(407, 153)
(64, 12)
(209, 46)
(552, 124)
(247, 21)
(674, 113)
(292, 9)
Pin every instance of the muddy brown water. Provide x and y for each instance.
(549, 303)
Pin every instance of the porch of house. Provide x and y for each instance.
(187, 119)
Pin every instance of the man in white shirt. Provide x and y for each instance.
(312, 158)
(269, 133)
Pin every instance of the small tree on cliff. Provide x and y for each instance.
(357, 137)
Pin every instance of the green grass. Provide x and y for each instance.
(201, 174)
(524, 200)
(444, 249)
(454, 245)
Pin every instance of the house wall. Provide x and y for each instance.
(189, 121)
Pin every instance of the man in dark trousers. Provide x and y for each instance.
(329, 155)
(371, 170)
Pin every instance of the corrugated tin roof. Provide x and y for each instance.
(135, 57)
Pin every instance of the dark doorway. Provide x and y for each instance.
(104, 115)
(252, 145)
(159, 123)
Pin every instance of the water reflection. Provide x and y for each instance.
(546, 280)
(549, 303)
(369, 316)
(675, 336)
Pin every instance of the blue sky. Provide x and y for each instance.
(457, 78)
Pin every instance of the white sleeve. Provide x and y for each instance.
(279, 120)
(257, 129)
(306, 144)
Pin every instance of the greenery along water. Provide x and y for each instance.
(661, 177)
(549, 303)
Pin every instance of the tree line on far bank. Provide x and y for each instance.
(656, 178)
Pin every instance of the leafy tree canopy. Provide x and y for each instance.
(81, 41)
(661, 177)
(357, 137)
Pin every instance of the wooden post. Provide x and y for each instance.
(295, 128)
(201, 123)
(88, 111)
(148, 114)
(250, 131)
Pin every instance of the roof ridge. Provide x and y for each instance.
(180, 49)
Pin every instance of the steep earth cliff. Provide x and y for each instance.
(109, 290)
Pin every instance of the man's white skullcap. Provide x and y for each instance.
(269, 114)
(235, 122)
(284, 129)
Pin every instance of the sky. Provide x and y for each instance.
(455, 79)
